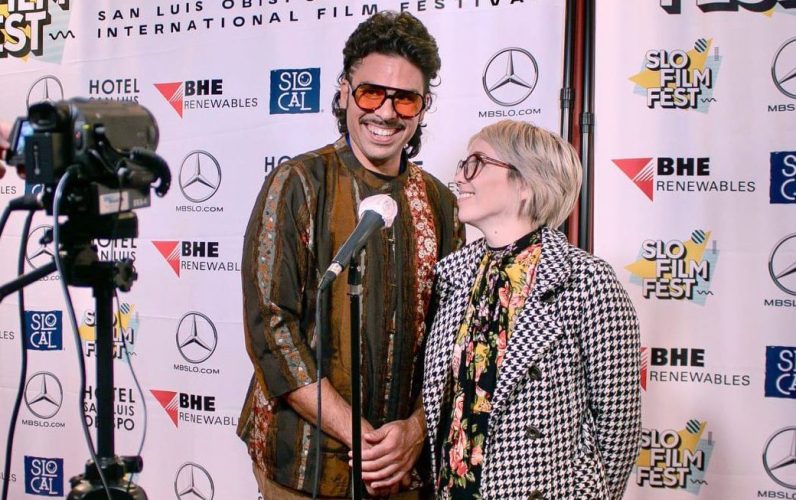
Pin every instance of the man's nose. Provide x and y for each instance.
(386, 111)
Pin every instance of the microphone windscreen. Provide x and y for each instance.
(383, 205)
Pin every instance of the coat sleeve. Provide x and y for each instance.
(611, 344)
(276, 267)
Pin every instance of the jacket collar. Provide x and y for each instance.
(458, 270)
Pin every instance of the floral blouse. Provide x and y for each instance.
(504, 280)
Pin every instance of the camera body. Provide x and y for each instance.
(109, 145)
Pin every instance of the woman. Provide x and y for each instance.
(532, 362)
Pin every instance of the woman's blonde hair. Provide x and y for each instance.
(546, 164)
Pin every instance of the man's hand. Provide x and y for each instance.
(393, 450)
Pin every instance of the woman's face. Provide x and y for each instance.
(489, 201)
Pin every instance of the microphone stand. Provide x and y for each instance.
(355, 297)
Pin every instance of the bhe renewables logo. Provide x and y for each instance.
(666, 174)
(207, 94)
(192, 408)
(202, 256)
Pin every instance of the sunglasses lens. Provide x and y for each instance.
(369, 97)
(407, 104)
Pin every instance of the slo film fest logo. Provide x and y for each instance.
(196, 409)
(678, 175)
(679, 79)
(675, 459)
(125, 331)
(684, 365)
(201, 256)
(125, 406)
(780, 372)
(44, 476)
(767, 7)
(509, 78)
(676, 269)
(28, 27)
(201, 95)
(295, 91)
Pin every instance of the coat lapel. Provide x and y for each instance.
(538, 326)
(455, 276)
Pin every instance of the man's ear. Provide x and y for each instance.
(345, 92)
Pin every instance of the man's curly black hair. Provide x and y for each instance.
(390, 33)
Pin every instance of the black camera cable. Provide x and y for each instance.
(59, 194)
(23, 374)
(115, 227)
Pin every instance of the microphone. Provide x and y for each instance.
(375, 212)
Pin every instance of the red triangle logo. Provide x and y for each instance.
(644, 368)
(170, 250)
(639, 170)
(168, 400)
(173, 93)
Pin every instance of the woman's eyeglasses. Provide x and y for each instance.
(406, 103)
(471, 166)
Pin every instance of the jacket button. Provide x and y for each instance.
(548, 297)
(534, 373)
(534, 433)
(536, 495)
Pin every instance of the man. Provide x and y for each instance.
(303, 214)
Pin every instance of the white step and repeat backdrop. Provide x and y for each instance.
(237, 86)
(695, 170)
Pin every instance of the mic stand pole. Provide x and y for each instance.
(355, 296)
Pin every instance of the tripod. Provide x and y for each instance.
(82, 268)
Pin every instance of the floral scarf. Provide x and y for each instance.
(504, 280)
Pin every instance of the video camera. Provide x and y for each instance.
(109, 145)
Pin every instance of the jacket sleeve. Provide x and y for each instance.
(276, 268)
(611, 342)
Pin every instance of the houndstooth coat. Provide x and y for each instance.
(565, 416)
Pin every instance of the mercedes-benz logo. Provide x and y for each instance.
(193, 481)
(779, 457)
(782, 264)
(783, 68)
(200, 176)
(43, 394)
(510, 76)
(46, 89)
(38, 254)
(197, 337)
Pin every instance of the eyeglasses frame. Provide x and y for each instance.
(483, 160)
